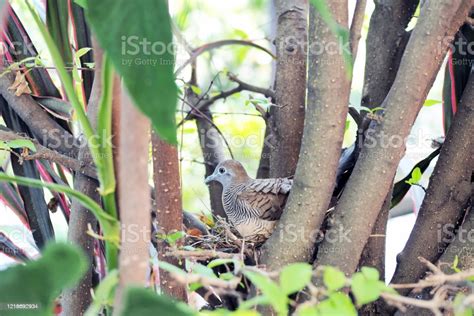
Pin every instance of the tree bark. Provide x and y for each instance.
(447, 195)
(76, 300)
(286, 119)
(169, 214)
(386, 42)
(360, 203)
(462, 246)
(134, 198)
(46, 130)
(328, 98)
(356, 26)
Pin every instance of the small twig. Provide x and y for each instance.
(202, 254)
(48, 154)
(224, 94)
(213, 45)
(356, 26)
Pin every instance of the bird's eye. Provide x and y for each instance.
(221, 170)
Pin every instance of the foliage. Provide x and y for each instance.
(147, 71)
(38, 283)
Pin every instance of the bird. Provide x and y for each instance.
(253, 206)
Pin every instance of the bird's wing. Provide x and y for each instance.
(267, 196)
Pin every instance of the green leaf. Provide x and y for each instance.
(81, 3)
(462, 308)
(202, 270)
(337, 304)
(431, 102)
(348, 124)
(171, 268)
(366, 286)
(415, 176)
(143, 302)
(333, 278)
(40, 282)
(141, 53)
(370, 273)
(454, 266)
(276, 297)
(17, 143)
(196, 89)
(220, 261)
(103, 294)
(295, 277)
(82, 51)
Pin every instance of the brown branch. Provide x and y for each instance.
(134, 197)
(199, 107)
(356, 26)
(50, 155)
(48, 132)
(448, 193)
(321, 147)
(76, 300)
(358, 209)
(386, 42)
(169, 215)
(202, 254)
(286, 120)
(217, 44)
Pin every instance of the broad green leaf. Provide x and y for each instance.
(295, 277)
(333, 278)
(337, 304)
(276, 297)
(143, 302)
(103, 294)
(200, 269)
(431, 102)
(40, 282)
(142, 53)
(370, 273)
(366, 286)
(81, 3)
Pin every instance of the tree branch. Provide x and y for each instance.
(51, 155)
(448, 193)
(286, 120)
(321, 147)
(356, 26)
(358, 209)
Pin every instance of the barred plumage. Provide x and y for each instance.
(253, 206)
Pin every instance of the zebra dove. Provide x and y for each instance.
(253, 206)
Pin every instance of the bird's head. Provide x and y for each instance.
(227, 172)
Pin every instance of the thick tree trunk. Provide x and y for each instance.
(287, 117)
(169, 214)
(371, 179)
(388, 36)
(447, 195)
(328, 98)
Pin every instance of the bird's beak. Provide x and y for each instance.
(209, 179)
